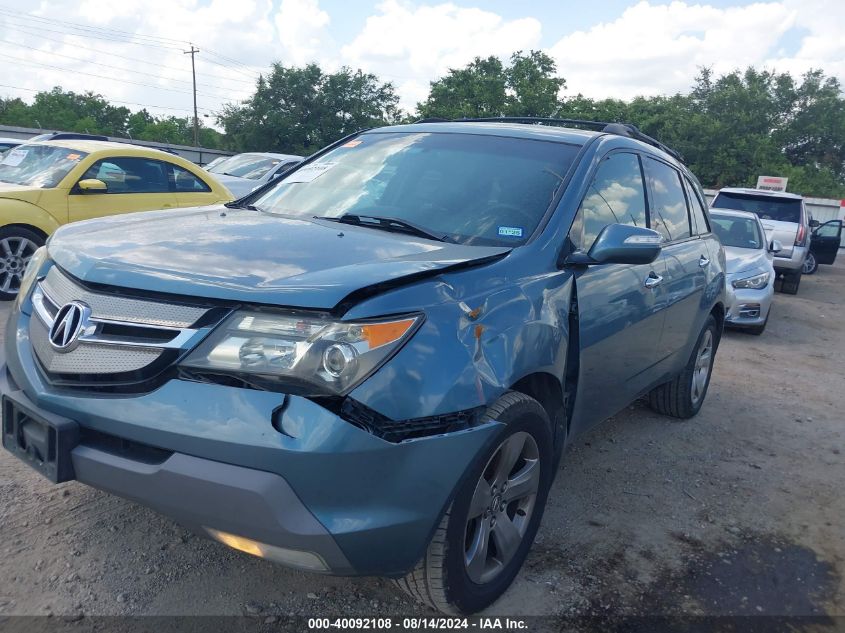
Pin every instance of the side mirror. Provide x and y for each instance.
(775, 246)
(621, 244)
(814, 224)
(92, 185)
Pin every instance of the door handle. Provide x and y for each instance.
(653, 280)
(703, 261)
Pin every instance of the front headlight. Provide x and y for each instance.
(756, 282)
(308, 355)
(31, 273)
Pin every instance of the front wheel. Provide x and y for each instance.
(683, 396)
(485, 535)
(810, 264)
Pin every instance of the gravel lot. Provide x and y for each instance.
(739, 511)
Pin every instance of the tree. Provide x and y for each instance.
(88, 112)
(299, 110)
(533, 85)
(528, 86)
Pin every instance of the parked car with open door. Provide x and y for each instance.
(824, 245)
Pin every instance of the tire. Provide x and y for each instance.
(790, 284)
(17, 244)
(683, 396)
(811, 265)
(757, 330)
(452, 576)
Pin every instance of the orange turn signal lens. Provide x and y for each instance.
(378, 334)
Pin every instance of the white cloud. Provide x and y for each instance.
(649, 49)
(301, 26)
(823, 45)
(657, 49)
(413, 44)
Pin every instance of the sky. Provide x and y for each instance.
(131, 51)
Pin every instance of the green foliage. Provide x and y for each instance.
(486, 88)
(730, 129)
(736, 127)
(300, 110)
(90, 113)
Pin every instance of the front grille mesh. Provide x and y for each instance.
(62, 290)
(88, 358)
(92, 359)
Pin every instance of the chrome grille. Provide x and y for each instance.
(121, 335)
(88, 358)
(61, 290)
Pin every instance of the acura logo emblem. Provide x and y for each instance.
(71, 321)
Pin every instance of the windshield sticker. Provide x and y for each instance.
(510, 231)
(354, 143)
(15, 157)
(309, 172)
(73, 156)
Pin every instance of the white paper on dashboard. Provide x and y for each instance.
(14, 157)
(309, 172)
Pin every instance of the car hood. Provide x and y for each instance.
(26, 193)
(239, 187)
(241, 255)
(739, 260)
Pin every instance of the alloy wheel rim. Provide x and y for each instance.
(501, 507)
(701, 370)
(809, 263)
(15, 253)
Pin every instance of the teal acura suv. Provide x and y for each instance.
(373, 364)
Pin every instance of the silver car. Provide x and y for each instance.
(244, 173)
(749, 271)
(784, 219)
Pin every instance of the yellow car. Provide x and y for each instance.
(44, 185)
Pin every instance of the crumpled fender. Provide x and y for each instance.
(472, 347)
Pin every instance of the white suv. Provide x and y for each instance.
(784, 218)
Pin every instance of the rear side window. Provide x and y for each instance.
(130, 175)
(616, 196)
(697, 212)
(185, 181)
(766, 207)
(668, 209)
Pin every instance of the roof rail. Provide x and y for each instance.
(621, 129)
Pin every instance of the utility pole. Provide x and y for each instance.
(193, 52)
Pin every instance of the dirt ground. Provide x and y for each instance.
(739, 511)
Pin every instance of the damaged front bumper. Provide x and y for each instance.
(274, 471)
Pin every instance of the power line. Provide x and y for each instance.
(131, 59)
(136, 72)
(126, 81)
(154, 40)
(117, 35)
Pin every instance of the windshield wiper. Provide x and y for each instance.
(394, 225)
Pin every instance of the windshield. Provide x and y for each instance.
(251, 166)
(38, 165)
(737, 231)
(766, 207)
(472, 189)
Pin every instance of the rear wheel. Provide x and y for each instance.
(810, 264)
(17, 244)
(790, 284)
(683, 396)
(485, 535)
